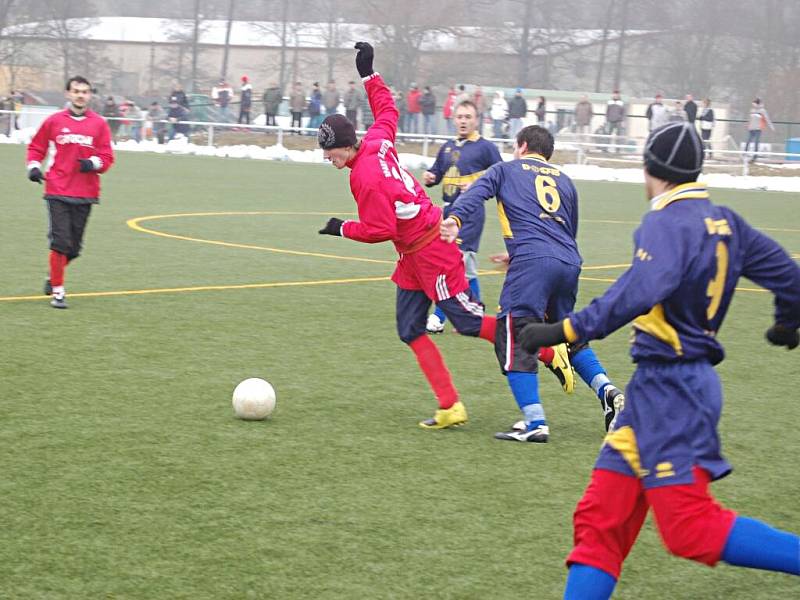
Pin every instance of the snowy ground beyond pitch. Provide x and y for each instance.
(416, 161)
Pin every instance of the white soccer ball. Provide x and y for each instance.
(253, 399)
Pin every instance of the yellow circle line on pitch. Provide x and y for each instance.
(135, 225)
(204, 288)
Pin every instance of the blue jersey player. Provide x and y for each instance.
(458, 164)
(664, 447)
(538, 209)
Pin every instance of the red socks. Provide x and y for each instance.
(488, 329)
(546, 355)
(432, 364)
(58, 263)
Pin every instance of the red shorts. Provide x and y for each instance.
(437, 269)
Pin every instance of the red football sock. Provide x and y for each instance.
(546, 355)
(58, 263)
(488, 329)
(432, 364)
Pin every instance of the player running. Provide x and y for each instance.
(82, 142)
(664, 448)
(459, 163)
(393, 207)
(538, 209)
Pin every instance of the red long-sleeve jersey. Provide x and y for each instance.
(391, 203)
(74, 138)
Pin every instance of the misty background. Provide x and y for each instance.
(729, 50)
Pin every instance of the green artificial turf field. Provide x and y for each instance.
(125, 474)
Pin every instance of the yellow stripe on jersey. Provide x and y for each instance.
(505, 226)
(623, 440)
(655, 324)
(462, 179)
(685, 191)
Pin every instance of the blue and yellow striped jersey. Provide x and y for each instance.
(462, 162)
(688, 256)
(537, 205)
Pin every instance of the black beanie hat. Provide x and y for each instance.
(336, 131)
(674, 152)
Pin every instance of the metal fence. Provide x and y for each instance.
(586, 148)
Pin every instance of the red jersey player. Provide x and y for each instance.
(393, 207)
(82, 149)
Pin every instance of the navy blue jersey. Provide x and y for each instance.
(688, 257)
(462, 162)
(537, 205)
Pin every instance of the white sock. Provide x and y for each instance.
(58, 291)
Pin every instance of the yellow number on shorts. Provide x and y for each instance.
(547, 193)
(717, 285)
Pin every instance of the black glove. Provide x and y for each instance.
(780, 335)
(541, 335)
(35, 175)
(332, 227)
(86, 165)
(364, 59)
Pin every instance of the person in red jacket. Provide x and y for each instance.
(392, 206)
(414, 108)
(82, 142)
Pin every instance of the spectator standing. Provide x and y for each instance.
(541, 112)
(297, 103)
(352, 100)
(583, 117)
(758, 122)
(462, 95)
(156, 115)
(517, 110)
(179, 95)
(315, 106)
(331, 98)
(615, 118)
(690, 106)
(414, 109)
(176, 115)
(447, 110)
(479, 99)
(402, 109)
(499, 113)
(222, 94)
(6, 119)
(245, 100)
(124, 123)
(111, 111)
(707, 122)
(367, 116)
(677, 114)
(427, 103)
(135, 117)
(272, 101)
(657, 114)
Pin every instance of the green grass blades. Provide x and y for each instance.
(125, 474)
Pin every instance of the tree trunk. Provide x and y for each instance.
(621, 45)
(224, 72)
(284, 18)
(602, 60)
(195, 39)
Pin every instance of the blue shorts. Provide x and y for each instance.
(463, 310)
(669, 425)
(540, 287)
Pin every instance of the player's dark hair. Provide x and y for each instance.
(468, 103)
(538, 139)
(77, 79)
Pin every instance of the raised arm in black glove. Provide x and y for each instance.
(332, 227)
(541, 335)
(780, 335)
(86, 165)
(364, 59)
(35, 175)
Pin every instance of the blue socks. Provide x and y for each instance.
(476, 293)
(588, 583)
(591, 371)
(754, 544)
(525, 387)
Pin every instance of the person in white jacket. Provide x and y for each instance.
(499, 113)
